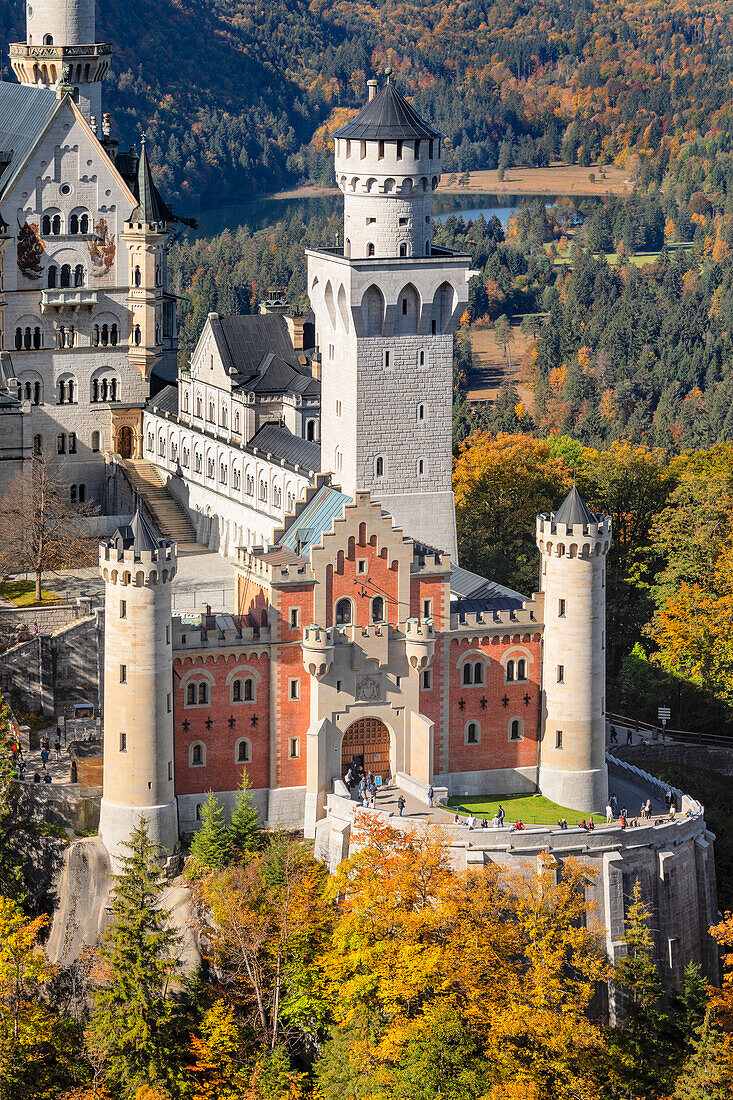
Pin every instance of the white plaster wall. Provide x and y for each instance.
(69, 22)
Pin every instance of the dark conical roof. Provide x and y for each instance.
(137, 535)
(574, 510)
(151, 207)
(387, 117)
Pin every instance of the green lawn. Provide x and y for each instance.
(637, 260)
(532, 809)
(23, 593)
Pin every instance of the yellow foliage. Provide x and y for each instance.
(557, 378)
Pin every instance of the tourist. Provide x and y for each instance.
(591, 825)
(609, 813)
(44, 758)
(614, 804)
(622, 820)
(501, 815)
(624, 812)
(36, 778)
(668, 797)
(614, 736)
(456, 820)
(562, 823)
(629, 737)
(518, 826)
(57, 748)
(484, 824)
(401, 804)
(672, 810)
(373, 795)
(363, 790)
(472, 821)
(348, 778)
(431, 795)
(583, 825)
(47, 778)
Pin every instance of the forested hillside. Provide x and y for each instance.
(231, 91)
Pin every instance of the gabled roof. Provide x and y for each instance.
(574, 510)
(388, 117)
(165, 400)
(305, 530)
(471, 593)
(282, 444)
(25, 111)
(137, 535)
(257, 353)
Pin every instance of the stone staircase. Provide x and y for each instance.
(169, 516)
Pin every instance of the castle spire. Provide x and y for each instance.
(149, 209)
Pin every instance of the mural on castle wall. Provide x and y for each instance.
(30, 250)
(102, 248)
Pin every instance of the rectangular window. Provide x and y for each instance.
(61, 444)
(168, 702)
(398, 680)
(167, 635)
(123, 742)
(433, 327)
(421, 358)
(294, 748)
(362, 149)
(427, 609)
(561, 609)
(371, 221)
(386, 360)
(427, 679)
(123, 674)
(338, 685)
(381, 150)
(123, 609)
(295, 689)
(295, 616)
(170, 770)
(417, 150)
(72, 443)
(403, 221)
(558, 739)
(338, 408)
(361, 565)
(561, 674)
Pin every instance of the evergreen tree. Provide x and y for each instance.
(693, 1002)
(245, 833)
(706, 1074)
(132, 1020)
(211, 846)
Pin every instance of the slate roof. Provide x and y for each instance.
(574, 510)
(24, 113)
(258, 354)
(151, 207)
(138, 535)
(165, 400)
(316, 518)
(388, 117)
(282, 444)
(472, 593)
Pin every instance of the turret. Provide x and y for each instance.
(138, 568)
(145, 235)
(573, 543)
(387, 165)
(61, 36)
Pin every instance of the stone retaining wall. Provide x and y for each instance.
(699, 756)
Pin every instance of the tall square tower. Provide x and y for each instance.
(386, 306)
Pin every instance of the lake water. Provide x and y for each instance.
(259, 213)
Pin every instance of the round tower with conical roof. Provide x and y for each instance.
(138, 568)
(573, 543)
(387, 165)
(61, 34)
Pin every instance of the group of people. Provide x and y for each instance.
(613, 735)
(20, 764)
(366, 784)
(497, 822)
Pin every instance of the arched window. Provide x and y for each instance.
(343, 612)
(379, 467)
(198, 754)
(237, 691)
(74, 223)
(48, 40)
(84, 223)
(236, 417)
(27, 338)
(421, 411)
(473, 733)
(203, 692)
(62, 392)
(19, 339)
(105, 335)
(478, 673)
(95, 336)
(248, 691)
(403, 250)
(56, 225)
(370, 249)
(509, 670)
(46, 225)
(310, 430)
(244, 751)
(420, 467)
(79, 275)
(37, 341)
(137, 276)
(468, 673)
(191, 688)
(516, 729)
(521, 670)
(378, 609)
(113, 335)
(137, 335)
(198, 406)
(65, 276)
(51, 276)
(95, 441)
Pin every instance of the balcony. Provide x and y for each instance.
(59, 53)
(71, 298)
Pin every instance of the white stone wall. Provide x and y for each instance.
(69, 22)
(68, 158)
(224, 512)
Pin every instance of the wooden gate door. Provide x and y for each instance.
(367, 738)
(126, 442)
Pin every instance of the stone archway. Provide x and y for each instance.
(125, 442)
(366, 741)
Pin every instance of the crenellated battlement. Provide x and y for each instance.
(140, 567)
(222, 632)
(529, 615)
(582, 540)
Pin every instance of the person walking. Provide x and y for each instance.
(609, 813)
(614, 736)
(629, 737)
(401, 804)
(501, 815)
(57, 749)
(363, 790)
(614, 804)
(431, 796)
(44, 758)
(668, 797)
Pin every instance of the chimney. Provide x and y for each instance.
(295, 330)
(106, 125)
(372, 85)
(93, 124)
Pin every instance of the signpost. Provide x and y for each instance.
(664, 716)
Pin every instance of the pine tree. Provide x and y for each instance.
(211, 846)
(132, 1020)
(706, 1074)
(245, 832)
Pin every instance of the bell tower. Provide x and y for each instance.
(386, 303)
(573, 543)
(60, 46)
(138, 569)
